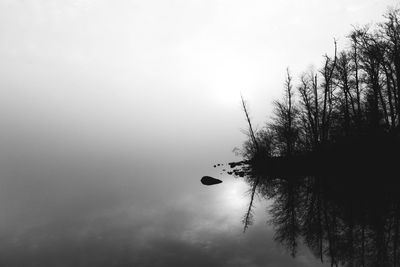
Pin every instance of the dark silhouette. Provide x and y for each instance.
(208, 180)
(329, 158)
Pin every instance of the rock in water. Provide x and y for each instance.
(208, 180)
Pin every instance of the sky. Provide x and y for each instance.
(112, 111)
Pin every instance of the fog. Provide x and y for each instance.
(110, 113)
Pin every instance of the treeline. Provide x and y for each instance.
(344, 115)
(355, 92)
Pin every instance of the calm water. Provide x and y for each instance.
(348, 216)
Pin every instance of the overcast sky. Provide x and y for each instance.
(111, 111)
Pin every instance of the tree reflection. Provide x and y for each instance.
(351, 221)
(329, 157)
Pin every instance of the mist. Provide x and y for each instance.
(110, 113)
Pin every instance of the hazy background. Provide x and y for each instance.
(111, 111)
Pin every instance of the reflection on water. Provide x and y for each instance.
(328, 157)
(347, 219)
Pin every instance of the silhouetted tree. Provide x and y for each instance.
(343, 121)
(285, 123)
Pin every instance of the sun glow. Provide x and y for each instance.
(233, 197)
